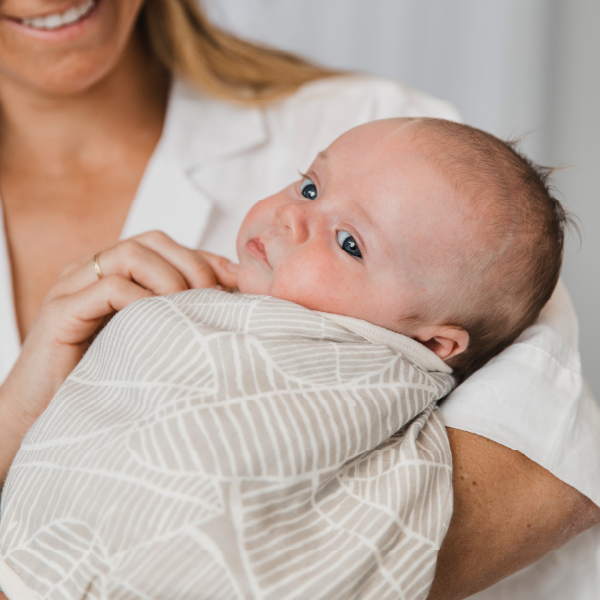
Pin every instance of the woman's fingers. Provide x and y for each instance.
(130, 260)
(155, 262)
(83, 311)
(136, 261)
(72, 318)
(224, 270)
(200, 269)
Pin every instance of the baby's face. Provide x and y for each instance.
(365, 233)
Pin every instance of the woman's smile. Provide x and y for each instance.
(62, 20)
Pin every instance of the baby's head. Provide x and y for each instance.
(429, 228)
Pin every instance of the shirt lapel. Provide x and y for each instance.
(10, 340)
(198, 130)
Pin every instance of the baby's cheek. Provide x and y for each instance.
(313, 284)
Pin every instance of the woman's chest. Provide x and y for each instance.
(51, 221)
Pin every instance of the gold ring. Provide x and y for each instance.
(97, 268)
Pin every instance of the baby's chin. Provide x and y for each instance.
(250, 282)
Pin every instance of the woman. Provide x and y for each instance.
(104, 135)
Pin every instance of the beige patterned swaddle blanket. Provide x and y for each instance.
(217, 446)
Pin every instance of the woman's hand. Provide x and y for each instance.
(75, 309)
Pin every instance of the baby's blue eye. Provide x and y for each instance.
(308, 189)
(347, 244)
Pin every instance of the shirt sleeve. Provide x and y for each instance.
(533, 398)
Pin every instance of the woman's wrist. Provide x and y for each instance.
(14, 402)
(15, 422)
(24, 395)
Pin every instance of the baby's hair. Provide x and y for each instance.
(505, 283)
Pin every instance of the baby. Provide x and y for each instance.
(429, 228)
(284, 442)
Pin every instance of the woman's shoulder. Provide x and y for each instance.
(366, 95)
(320, 111)
(301, 124)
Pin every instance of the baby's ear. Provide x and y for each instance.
(445, 341)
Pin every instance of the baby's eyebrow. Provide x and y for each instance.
(365, 214)
(322, 155)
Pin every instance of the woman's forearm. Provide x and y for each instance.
(14, 424)
(508, 513)
(27, 391)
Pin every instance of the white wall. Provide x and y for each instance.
(510, 66)
(574, 132)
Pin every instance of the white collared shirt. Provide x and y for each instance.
(215, 160)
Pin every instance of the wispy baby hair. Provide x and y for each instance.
(504, 284)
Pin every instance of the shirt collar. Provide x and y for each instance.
(198, 130)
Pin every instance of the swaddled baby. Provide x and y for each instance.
(284, 442)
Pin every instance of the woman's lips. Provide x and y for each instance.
(257, 249)
(68, 29)
(60, 19)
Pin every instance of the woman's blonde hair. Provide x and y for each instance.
(221, 64)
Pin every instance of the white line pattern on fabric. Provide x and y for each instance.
(216, 446)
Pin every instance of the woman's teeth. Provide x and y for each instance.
(58, 20)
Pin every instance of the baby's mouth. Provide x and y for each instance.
(58, 20)
(257, 249)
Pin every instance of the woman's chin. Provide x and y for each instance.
(65, 78)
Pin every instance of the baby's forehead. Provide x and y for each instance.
(392, 154)
(387, 143)
(396, 177)
(388, 147)
(442, 162)
(374, 134)
(434, 165)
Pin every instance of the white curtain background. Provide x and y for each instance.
(511, 67)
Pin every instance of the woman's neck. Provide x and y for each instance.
(66, 133)
(70, 166)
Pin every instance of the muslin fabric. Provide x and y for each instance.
(212, 445)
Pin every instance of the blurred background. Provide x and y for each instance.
(512, 67)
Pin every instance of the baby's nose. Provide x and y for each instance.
(294, 219)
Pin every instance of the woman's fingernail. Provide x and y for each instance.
(232, 267)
